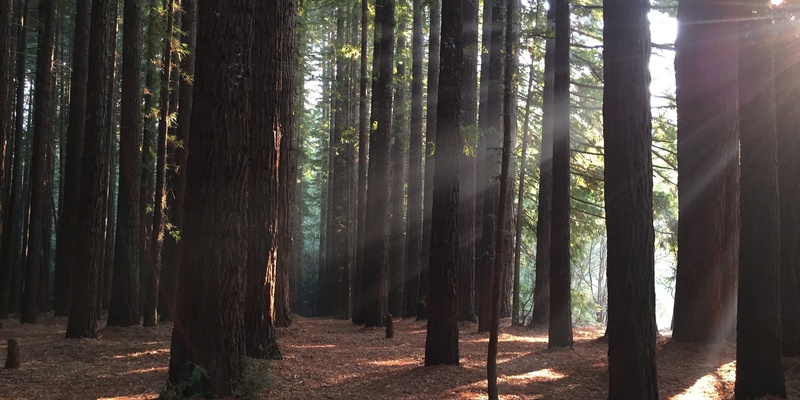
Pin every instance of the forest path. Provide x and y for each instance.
(334, 359)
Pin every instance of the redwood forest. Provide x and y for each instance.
(400, 199)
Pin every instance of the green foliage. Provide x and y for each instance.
(191, 384)
(256, 378)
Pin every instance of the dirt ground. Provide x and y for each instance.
(331, 359)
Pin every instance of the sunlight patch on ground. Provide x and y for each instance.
(142, 353)
(545, 374)
(400, 362)
(706, 387)
(313, 346)
(145, 371)
(507, 337)
(136, 396)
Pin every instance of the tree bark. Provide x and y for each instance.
(5, 104)
(758, 347)
(397, 199)
(516, 307)
(211, 290)
(434, 44)
(629, 201)
(441, 344)
(375, 249)
(125, 309)
(707, 134)
(90, 241)
(176, 175)
(560, 326)
(41, 176)
(415, 184)
(363, 150)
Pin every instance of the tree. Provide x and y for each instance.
(211, 288)
(467, 163)
(441, 342)
(90, 241)
(5, 104)
(488, 184)
(560, 327)
(758, 351)
(505, 189)
(176, 176)
(124, 309)
(707, 136)
(42, 149)
(415, 185)
(434, 45)
(788, 126)
(541, 290)
(373, 290)
(629, 201)
(400, 131)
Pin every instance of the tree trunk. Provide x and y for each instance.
(758, 351)
(490, 187)
(12, 234)
(41, 177)
(124, 309)
(560, 327)
(516, 313)
(397, 200)
(441, 343)
(434, 44)
(707, 133)
(66, 257)
(629, 201)
(788, 127)
(148, 141)
(505, 192)
(415, 184)
(466, 185)
(211, 289)
(363, 150)
(176, 175)
(375, 249)
(90, 243)
(5, 104)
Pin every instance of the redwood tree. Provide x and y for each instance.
(629, 201)
(397, 199)
(705, 72)
(758, 347)
(209, 314)
(373, 290)
(90, 235)
(124, 309)
(560, 327)
(441, 342)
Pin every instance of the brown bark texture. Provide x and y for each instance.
(628, 201)
(397, 199)
(441, 343)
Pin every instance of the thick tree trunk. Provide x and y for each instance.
(434, 44)
(415, 184)
(707, 134)
(397, 241)
(90, 242)
(66, 257)
(125, 309)
(560, 326)
(467, 166)
(788, 127)
(375, 249)
(629, 201)
(758, 347)
(41, 176)
(176, 175)
(441, 344)
(211, 289)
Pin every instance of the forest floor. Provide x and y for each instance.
(333, 359)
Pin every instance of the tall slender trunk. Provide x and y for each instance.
(363, 150)
(397, 199)
(113, 162)
(176, 175)
(66, 257)
(5, 103)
